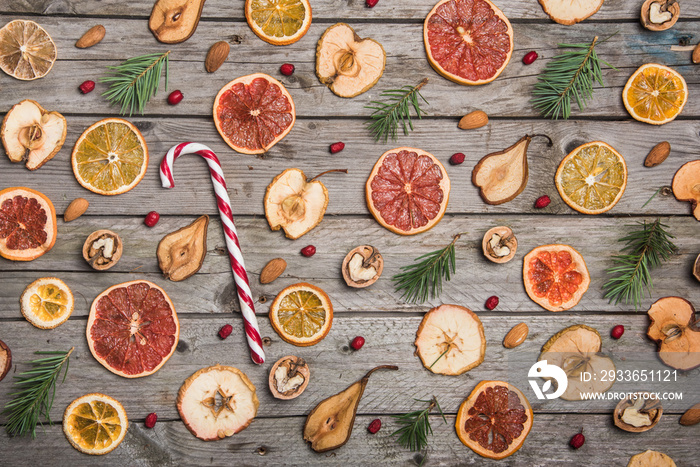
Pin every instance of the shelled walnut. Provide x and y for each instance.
(102, 249)
(362, 266)
(638, 414)
(289, 377)
(499, 244)
(659, 15)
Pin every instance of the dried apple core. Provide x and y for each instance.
(301, 313)
(554, 276)
(95, 424)
(496, 419)
(22, 223)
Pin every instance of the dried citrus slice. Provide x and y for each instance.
(302, 314)
(253, 113)
(95, 423)
(494, 420)
(133, 328)
(592, 178)
(110, 157)
(408, 190)
(468, 41)
(655, 94)
(278, 22)
(27, 51)
(47, 302)
(570, 12)
(27, 224)
(555, 276)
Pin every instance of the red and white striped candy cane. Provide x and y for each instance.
(234, 248)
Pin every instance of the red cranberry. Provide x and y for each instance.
(371, 3)
(457, 158)
(530, 57)
(175, 97)
(337, 147)
(357, 342)
(617, 331)
(151, 420)
(542, 202)
(225, 331)
(308, 251)
(151, 219)
(577, 440)
(374, 426)
(287, 69)
(87, 87)
(491, 302)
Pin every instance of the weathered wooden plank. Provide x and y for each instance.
(306, 147)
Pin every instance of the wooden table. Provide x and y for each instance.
(208, 300)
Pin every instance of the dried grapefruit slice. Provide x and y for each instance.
(408, 190)
(568, 12)
(27, 224)
(655, 94)
(302, 314)
(278, 22)
(494, 420)
(27, 51)
(253, 113)
(133, 328)
(468, 41)
(95, 423)
(555, 276)
(47, 302)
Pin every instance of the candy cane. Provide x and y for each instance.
(234, 248)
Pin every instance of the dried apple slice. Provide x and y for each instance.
(675, 330)
(174, 21)
(32, 134)
(5, 360)
(651, 459)
(576, 350)
(181, 253)
(570, 12)
(686, 185)
(346, 63)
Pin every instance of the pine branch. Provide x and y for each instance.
(424, 277)
(135, 81)
(396, 110)
(569, 76)
(36, 389)
(415, 426)
(646, 248)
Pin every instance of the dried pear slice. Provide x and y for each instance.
(181, 253)
(174, 21)
(686, 185)
(674, 329)
(346, 63)
(329, 425)
(32, 134)
(450, 340)
(575, 350)
(501, 176)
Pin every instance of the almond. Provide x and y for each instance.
(658, 154)
(216, 56)
(94, 35)
(473, 120)
(691, 416)
(696, 54)
(516, 336)
(75, 209)
(272, 270)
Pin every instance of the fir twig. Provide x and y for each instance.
(394, 111)
(646, 248)
(569, 76)
(36, 390)
(424, 277)
(135, 81)
(415, 426)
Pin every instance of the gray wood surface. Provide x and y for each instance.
(208, 300)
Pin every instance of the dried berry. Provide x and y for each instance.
(357, 342)
(87, 86)
(577, 440)
(374, 426)
(175, 97)
(371, 3)
(225, 331)
(337, 147)
(308, 251)
(542, 202)
(287, 69)
(151, 420)
(151, 219)
(457, 158)
(491, 302)
(530, 57)
(617, 331)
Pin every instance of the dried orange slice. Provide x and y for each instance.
(110, 157)
(302, 314)
(494, 420)
(555, 276)
(655, 94)
(47, 302)
(95, 423)
(468, 41)
(278, 22)
(27, 51)
(253, 113)
(27, 224)
(592, 178)
(408, 190)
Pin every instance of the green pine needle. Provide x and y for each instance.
(415, 426)
(36, 390)
(424, 277)
(396, 110)
(569, 76)
(135, 81)
(646, 248)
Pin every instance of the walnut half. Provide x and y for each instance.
(102, 249)
(289, 377)
(362, 266)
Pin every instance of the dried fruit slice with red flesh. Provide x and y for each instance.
(133, 328)
(674, 329)
(494, 420)
(27, 224)
(408, 190)
(555, 276)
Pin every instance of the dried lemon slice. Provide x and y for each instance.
(47, 302)
(655, 94)
(279, 22)
(95, 423)
(302, 314)
(27, 51)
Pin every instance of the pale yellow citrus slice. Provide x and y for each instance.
(302, 314)
(47, 302)
(655, 94)
(110, 157)
(279, 22)
(27, 51)
(95, 423)
(592, 178)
